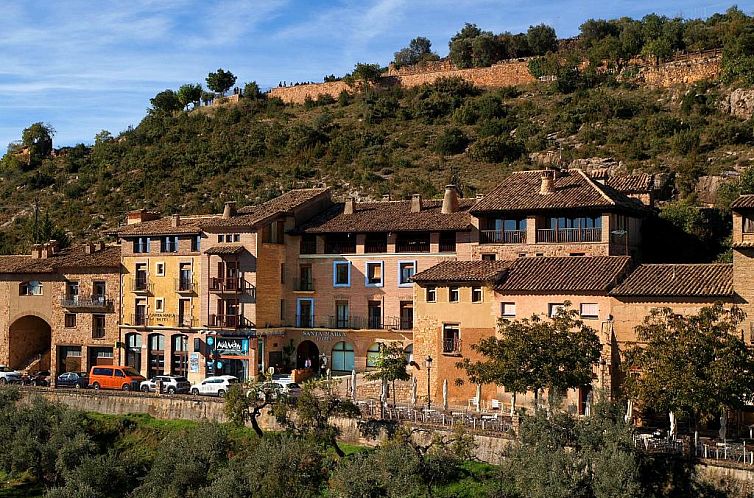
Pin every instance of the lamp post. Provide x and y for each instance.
(428, 364)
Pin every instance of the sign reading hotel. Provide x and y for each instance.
(323, 335)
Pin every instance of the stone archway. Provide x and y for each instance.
(29, 343)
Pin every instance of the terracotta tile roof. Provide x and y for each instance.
(678, 280)
(573, 189)
(390, 216)
(285, 203)
(641, 182)
(743, 201)
(69, 259)
(221, 249)
(463, 271)
(163, 226)
(564, 274)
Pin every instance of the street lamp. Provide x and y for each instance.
(428, 364)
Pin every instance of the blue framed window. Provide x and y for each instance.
(341, 274)
(406, 270)
(374, 276)
(142, 245)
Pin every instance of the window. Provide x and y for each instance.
(374, 314)
(305, 282)
(373, 354)
(342, 315)
(99, 290)
(577, 254)
(221, 238)
(553, 308)
(159, 269)
(282, 310)
(141, 245)
(374, 274)
(431, 294)
(447, 242)
(72, 291)
(590, 310)
(488, 257)
(98, 326)
(453, 293)
(508, 309)
(31, 288)
(451, 338)
(342, 357)
(236, 237)
(341, 274)
(196, 243)
(476, 294)
(169, 244)
(748, 225)
(159, 305)
(407, 315)
(406, 270)
(282, 273)
(70, 320)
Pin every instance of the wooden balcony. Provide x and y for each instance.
(227, 285)
(227, 321)
(568, 235)
(502, 236)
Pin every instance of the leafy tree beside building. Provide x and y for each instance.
(221, 81)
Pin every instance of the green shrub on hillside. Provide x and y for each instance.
(496, 150)
(451, 141)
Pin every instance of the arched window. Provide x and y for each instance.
(342, 357)
(156, 355)
(133, 351)
(179, 360)
(373, 354)
(408, 351)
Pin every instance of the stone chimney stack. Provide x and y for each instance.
(230, 210)
(89, 248)
(450, 200)
(54, 246)
(175, 220)
(348, 208)
(385, 197)
(36, 251)
(548, 182)
(416, 203)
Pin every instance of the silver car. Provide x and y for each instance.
(9, 376)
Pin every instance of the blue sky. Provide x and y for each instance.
(84, 66)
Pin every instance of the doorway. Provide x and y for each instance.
(307, 350)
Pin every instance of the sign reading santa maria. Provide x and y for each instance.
(233, 346)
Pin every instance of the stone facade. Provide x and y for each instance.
(684, 70)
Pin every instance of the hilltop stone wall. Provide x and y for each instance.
(684, 70)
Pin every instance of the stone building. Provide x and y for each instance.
(59, 309)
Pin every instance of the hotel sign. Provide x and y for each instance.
(323, 335)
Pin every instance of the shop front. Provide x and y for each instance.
(231, 355)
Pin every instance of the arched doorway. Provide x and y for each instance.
(373, 354)
(342, 357)
(29, 343)
(307, 349)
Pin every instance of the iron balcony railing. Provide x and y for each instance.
(375, 246)
(231, 285)
(308, 246)
(412, 246)
(305, 284)
(451, 345)
(407, 323)
(185, 285)
(90, 302)
(565, 235)
(340, 247)
(305, 321)
(503, 237)
(141, 285)
(226, 321)
(447, 245)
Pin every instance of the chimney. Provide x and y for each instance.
(416, 203)
(175, 220)
(89, 248)
(348, 208)
(385, 197)
(54, 246)
(450, 200)
(230, 209)
(36, 251)
(46, 251)
(479, 197)
(548, 182)
(139, 216)
(100, 245)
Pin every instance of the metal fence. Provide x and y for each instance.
(476, 421)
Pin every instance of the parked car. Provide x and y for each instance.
(170, 384)
(115, 377)
(41, 378)
(77, 380)
(214, 386)
(9, 376)
(274, 389)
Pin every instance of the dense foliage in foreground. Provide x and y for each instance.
(58, 452)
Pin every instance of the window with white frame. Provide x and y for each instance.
(159, 269)
(431, 294)
(374, 274)
(554, 308)
(453, 294)
(590, 310)
(159, 305)
(341, 273)
(508, 310)
(476, 294)
(406, 270)
(31, 288)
